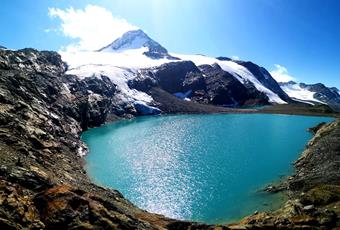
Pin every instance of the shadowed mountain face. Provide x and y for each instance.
(137, 39)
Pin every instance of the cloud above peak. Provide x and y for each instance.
(281, 74)
(92, 27)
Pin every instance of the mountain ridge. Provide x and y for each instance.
(136, 52)
(316, 93)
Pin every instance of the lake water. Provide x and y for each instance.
(208, 168)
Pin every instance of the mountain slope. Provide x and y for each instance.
(206, 84)
(240, 72)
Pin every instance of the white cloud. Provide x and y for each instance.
(235, 58)
(50, 30)
(280, 74)
(93, 27)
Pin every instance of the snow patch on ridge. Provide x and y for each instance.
(120, 67)
(295, 91)
(117, 75)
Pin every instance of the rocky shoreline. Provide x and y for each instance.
(44, 186)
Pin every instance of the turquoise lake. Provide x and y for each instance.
(209, 168)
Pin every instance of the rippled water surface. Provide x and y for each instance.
(199, 167)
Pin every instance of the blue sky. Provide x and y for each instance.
(302, 36)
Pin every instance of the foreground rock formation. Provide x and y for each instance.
(42, 181)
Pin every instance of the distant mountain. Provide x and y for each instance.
(137, 39)
(137, 64)
(2, 47)
(313, 93)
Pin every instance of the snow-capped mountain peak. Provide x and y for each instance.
(134, 39)
(137, 39)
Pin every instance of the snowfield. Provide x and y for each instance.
(296, 92)
(119, 76)
(130, 59)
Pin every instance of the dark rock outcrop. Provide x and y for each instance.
(224, 59)
(206, 84)
(224, 89)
